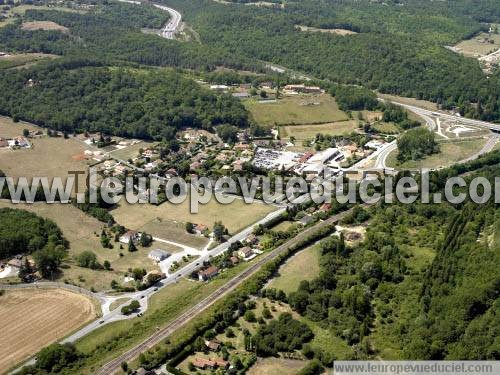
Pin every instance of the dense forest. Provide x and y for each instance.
(34, 233)
(397, 48)
(422, 285)
(78, 96)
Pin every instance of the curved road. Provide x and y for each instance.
(170, 29)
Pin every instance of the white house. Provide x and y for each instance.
(158, 255)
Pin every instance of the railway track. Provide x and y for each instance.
(112, 366)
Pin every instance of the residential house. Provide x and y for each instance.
(208, 273)
(245, 252)
(305, 157)
(158, 255)
(306, 220)
(252, 239)
(131, 235)
(213, 345)
(234, 260)
(325, 207)
(200, 229)
(195, 165)
(241, 95)
(170, 173)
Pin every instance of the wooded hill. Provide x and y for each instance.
(79, 95)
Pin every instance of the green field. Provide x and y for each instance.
(451, 152)
(300, 109)
(302, 266)
(308, 132)
(386, 127)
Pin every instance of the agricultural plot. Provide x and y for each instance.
(304, 132)
(341, 32)
(47, 157)
(302, 266)
(300, 109)
(168, 220)
(31, 319)
(43, 25)
(478, 46)
(130, 152)
(451, 153)
(23, 60)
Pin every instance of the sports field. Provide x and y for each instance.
(300, 109)
(33, 318)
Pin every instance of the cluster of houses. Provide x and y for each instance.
(245, 253)
(242, 91)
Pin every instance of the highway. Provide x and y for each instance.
(114, 365)
(169, 30)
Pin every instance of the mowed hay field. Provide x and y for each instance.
(31, 319)
(48, 157)
(299, 109)
(303, 132)
(302, 266)
(235, 216)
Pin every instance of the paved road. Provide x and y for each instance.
(380, 162)
(191, 313)
(426, 113)
(169, 30)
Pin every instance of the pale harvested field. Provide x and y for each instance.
(31, 319)
(303, 132)
(43, 25)
(9, 128)
(234, 216)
